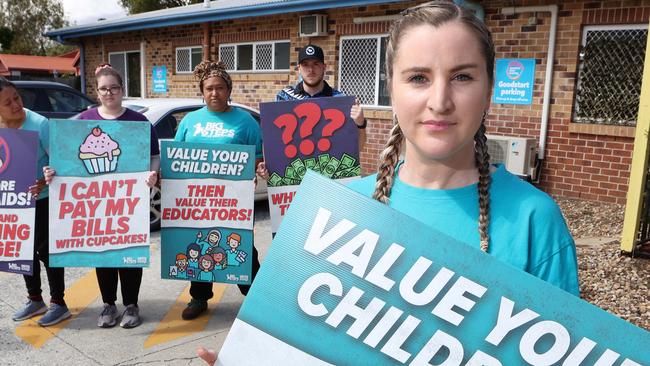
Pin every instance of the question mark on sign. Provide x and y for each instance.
(311, 112)
(289, 123)
(337, 119)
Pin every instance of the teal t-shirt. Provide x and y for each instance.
(38, 123)
(526, 226)
(234, 127)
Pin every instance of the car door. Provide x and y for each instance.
(165, 127)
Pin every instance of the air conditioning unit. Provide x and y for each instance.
(313, 25)
(516, 153)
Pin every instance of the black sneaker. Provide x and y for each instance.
(194, 309)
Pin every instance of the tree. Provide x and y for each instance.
(141, 6)
(28, 20)
(6, 37)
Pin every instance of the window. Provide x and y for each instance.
(63, 101)
(29, 97)
(261, 56)
(128, 65)
(167, 126)
(187, 58)
(363, 59)
(609, 75)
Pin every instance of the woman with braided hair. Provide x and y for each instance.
(439, 68)
(218, 123)
(439, 65)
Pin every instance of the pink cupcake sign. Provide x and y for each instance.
(99, 152)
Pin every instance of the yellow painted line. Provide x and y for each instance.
(172, 326)
(639, 166)
(78, 296)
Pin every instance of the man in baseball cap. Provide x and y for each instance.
(311, 67)
(311, 52)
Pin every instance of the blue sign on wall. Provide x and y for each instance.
(514, 81)
(159, 79)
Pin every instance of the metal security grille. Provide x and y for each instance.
(183, 61)
(498, 150)
(227, 56)
(609, 79)
(308, 24)
(359, 68)
(264, 56)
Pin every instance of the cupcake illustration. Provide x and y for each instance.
(99, 152)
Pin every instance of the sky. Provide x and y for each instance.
(88, 11)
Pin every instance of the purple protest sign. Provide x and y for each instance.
(316, 134)
(18, 163)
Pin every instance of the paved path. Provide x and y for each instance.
(162, 339)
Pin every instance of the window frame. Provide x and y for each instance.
(378, 37)
(580, 65)
(190, 48)
(125, 77)
(254, 44)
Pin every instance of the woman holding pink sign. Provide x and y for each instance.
(14, 115)
(97, 152)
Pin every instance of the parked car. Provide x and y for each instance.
(52, 100)
(165, 114)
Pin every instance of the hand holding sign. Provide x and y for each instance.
(17, 199)
(308, 134)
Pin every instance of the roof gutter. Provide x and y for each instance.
(205, 15)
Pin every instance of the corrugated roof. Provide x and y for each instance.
(36, 63)
(198, 13)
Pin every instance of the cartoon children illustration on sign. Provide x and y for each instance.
(220, 258)
(206, 264)
(235, 256)
(193, 253)
(212, 241)
(181, 265)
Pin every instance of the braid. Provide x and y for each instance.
(388, 158)
(484, 180)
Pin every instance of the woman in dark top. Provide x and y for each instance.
(110, 89)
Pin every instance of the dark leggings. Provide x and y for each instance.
(55, 276)
(130, 280)
(203, 290)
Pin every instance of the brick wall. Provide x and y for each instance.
(584, 161)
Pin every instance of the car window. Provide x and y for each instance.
(29, 98)
(135, 107)
(254, 114)
(63, 101)
(167, 126)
